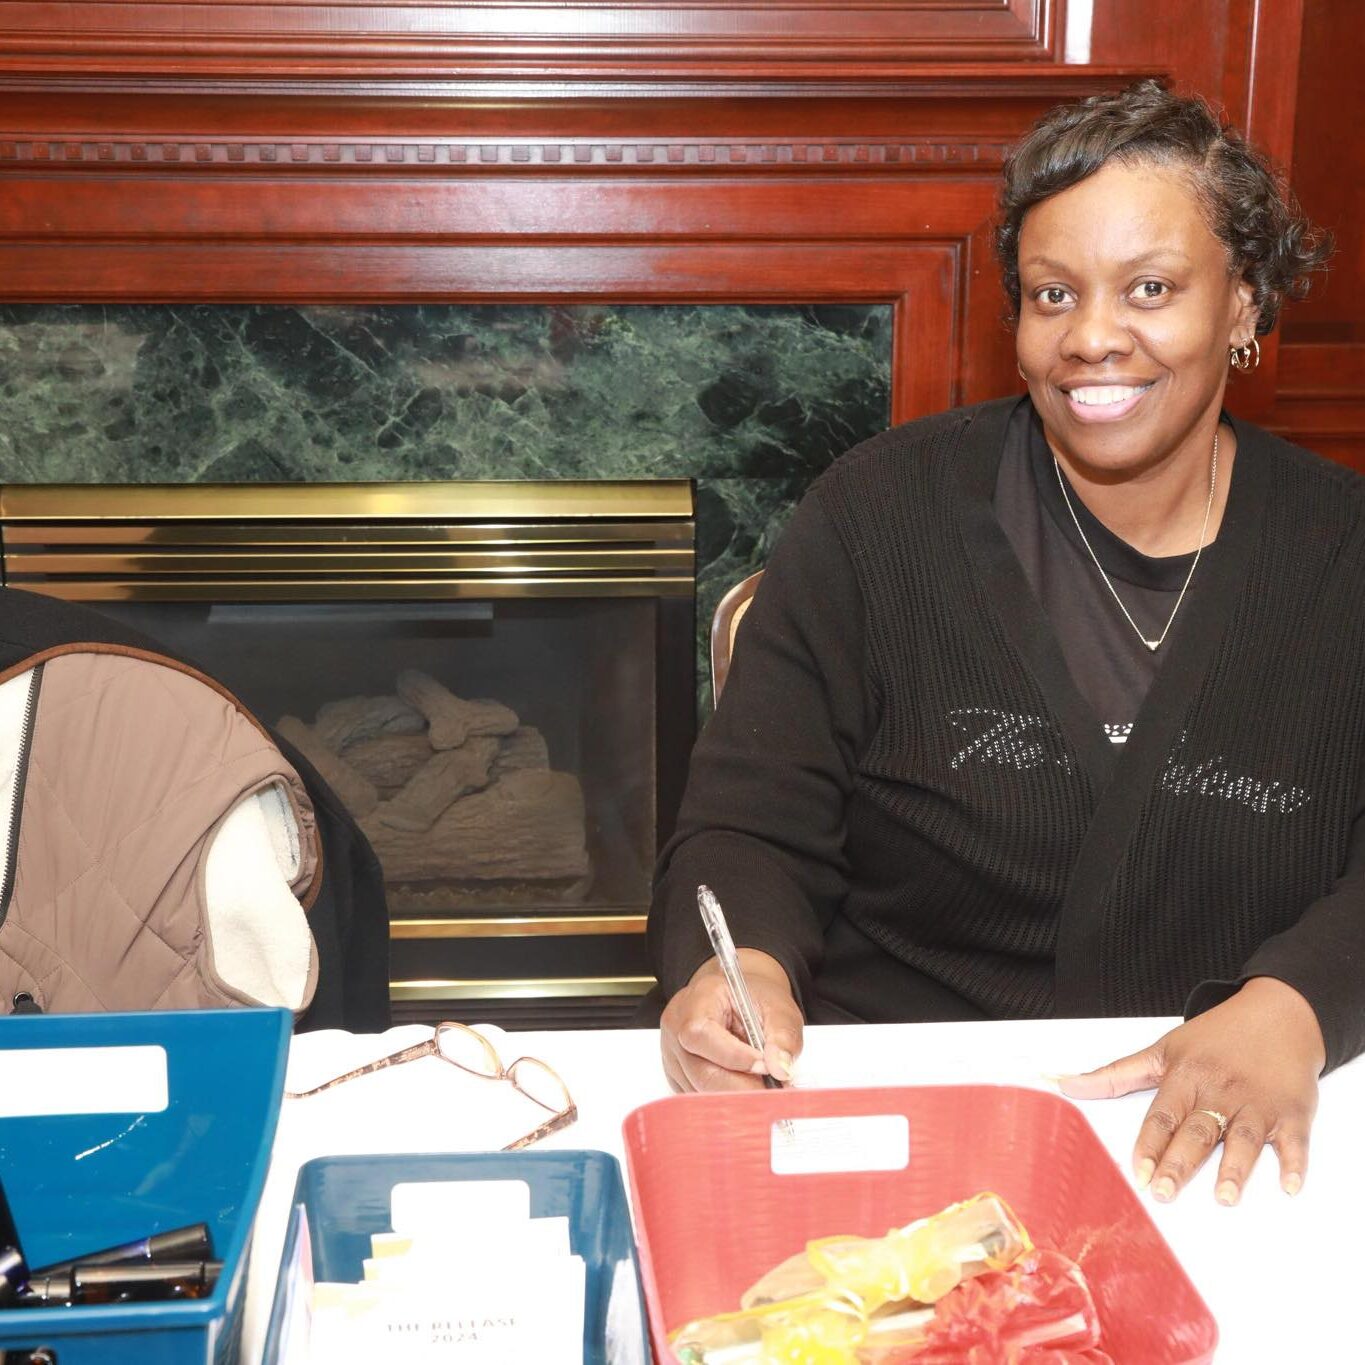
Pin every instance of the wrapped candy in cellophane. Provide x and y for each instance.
(1038, 1311)
(965, 1285)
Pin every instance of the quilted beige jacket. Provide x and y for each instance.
(126, 771)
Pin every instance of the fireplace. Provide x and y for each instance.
(496, 678)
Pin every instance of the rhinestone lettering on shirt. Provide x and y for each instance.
(1007, 737)
(1213, 777)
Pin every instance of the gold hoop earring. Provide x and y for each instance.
(1245, 358)
(1020, 368)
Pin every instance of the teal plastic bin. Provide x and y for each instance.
(78, 1182)
(346, 1198)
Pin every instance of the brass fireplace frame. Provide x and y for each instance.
(372, 542)
(314, 542)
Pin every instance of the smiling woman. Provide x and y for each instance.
(1125, 326)
(1056, 705)
(1142, 245)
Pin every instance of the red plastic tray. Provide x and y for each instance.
(711, 1216)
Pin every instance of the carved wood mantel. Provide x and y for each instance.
(608, 40)
(352, 195)
(712, 150)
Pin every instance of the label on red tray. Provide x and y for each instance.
(821, 1146)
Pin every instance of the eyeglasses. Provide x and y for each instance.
(469, 1050)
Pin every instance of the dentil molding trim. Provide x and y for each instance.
(291, 154)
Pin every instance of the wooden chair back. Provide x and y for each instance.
(729, 612)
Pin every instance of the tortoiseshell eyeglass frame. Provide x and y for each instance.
(559, 1118)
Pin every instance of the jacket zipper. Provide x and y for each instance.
(20, 778)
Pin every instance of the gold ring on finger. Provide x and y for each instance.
(1220, 1119)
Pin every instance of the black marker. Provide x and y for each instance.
(179, 1244)
(121, 1284)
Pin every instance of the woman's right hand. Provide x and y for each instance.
(703, 1039)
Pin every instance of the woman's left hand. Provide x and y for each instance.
(1254, 1061)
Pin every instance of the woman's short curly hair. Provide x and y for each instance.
(1248, 206)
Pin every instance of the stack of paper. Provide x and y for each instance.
(466, 1275)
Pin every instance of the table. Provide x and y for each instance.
(1253, 1264)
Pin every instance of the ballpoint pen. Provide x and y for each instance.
(724, 946)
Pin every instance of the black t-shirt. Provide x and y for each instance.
(1111, 666)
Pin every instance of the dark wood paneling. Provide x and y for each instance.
(1198, 42)
(1329, 166)
(1265, 109)
(1321, 398)
(1321, 401)
(494, 37)
(84, 210)
(711, 150)
(1332, 371)
(965, 106)
(1335, 430)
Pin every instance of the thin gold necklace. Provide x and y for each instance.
(1156, 644)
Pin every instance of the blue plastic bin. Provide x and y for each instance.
(79, 1182)
(346, 1198)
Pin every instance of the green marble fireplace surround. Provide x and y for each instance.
(750, 401)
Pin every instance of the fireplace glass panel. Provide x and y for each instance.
(546, 804)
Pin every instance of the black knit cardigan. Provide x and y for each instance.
(904, 798)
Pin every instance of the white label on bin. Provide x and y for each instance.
(443, 1206)
(42, 1081)
(862, 1142)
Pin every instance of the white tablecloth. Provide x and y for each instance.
(1280, 1275)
